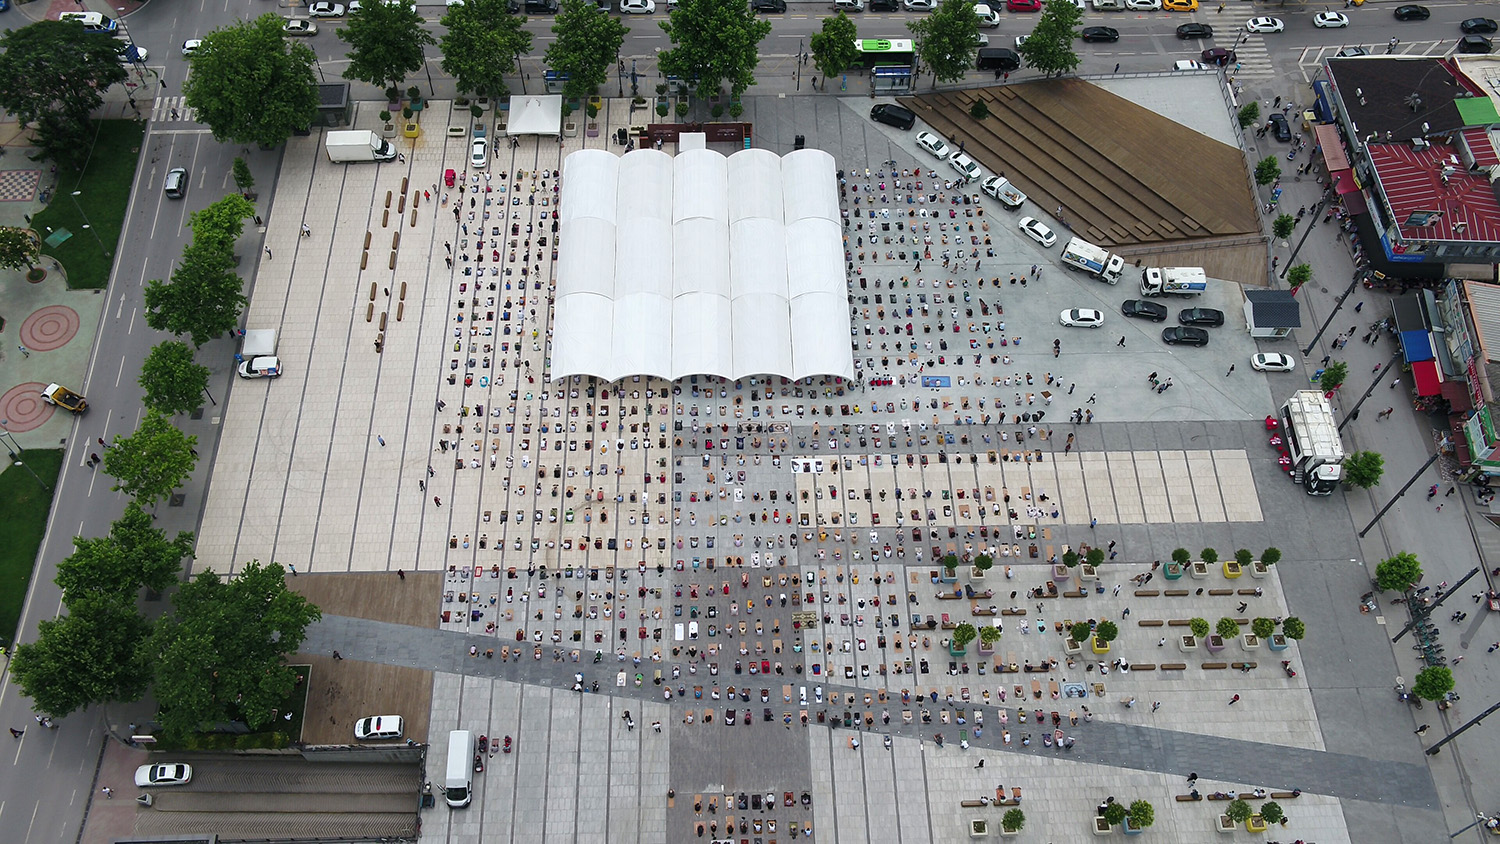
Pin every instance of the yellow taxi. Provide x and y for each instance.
(1180, 5)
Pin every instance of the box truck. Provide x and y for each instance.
(358, 145)
(1082, 255)
(257, 357)
(1312, 442)
(1175, 281)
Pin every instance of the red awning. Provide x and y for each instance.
(1429, 383)
(1457, 394)
(1343, 181)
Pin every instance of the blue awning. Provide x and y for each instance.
(1320, 102)
(1416, 345)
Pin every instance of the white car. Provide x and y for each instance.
(1330, 20)
(190, 46)
(637, 7)
(1272, 362)
(1020, 39)
(479, 154)
(133, 54)
(325, 10)
(174, 773)
(377, 727)
(1037, 231)
(1082, 318)
(1188, 64)
(1143, 5)
(919, 5)
(933, 144)
(964, 165)
(1264, 25)
(297, 26)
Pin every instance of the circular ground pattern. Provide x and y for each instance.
(22, 407)
(49, 328)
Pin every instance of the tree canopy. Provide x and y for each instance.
(482, 44)
(251, 84)
(53, 75)
(1433, 682)
(1049, 47)
(587, 45)
(18, 249)
(173, 381)
(221, 656)
(1401, 572)
(713, 42)
(946, 39)
(386, 41)
(91, 655)
(151, 462)
(134, 555)
(833, 47)
(205, 296)
(1364, 469)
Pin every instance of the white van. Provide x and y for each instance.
(458, 785)
(92, 21)
(988, 18)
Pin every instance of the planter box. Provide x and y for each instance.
(979, 828)
(1259, 570)
(388, 130)
(1200, 570)
(592, 131)
(570, 129)
(1097, 646)
(1072, 648)
(1087, 572)
(948, 576)
(1061, 573)
(987, 650)
(1128, 829)
(1009, 833)
(1215, 643)
(1250, 642)
(1187, 644)
(1100, 827)
(1174, 571)
(1256, 823)
(1278, 643)
(976, 573)
(411, 129)
(1226, 825)
(955, 650)
(1232, 570)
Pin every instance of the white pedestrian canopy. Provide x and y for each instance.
(700, 264)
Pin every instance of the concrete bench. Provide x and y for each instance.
(1009, 611)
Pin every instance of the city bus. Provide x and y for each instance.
(874, 52)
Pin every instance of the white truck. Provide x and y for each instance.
(1001, 189)
(1100, 263)
(257, 357)
(358, 145)
(1176, 281)
(988, 18)
(1312, 442)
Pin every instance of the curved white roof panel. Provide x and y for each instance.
(700, 265)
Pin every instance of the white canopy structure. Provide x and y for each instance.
(700, 265)
(535, 114)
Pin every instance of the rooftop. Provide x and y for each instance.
(1274, 308)
(1425, 203)
(1399, 95)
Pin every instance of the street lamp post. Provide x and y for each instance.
(1336, 308)
(86, 224)
(1397, 497)
(13, 448)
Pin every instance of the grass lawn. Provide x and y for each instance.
(25, 505)
(106, 184)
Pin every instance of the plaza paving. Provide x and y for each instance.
(573, 518)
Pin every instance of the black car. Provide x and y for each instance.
(893, 115)
(1142, 309)
(884, 6)
(1219, 56)
(1412, 12)
(1184, 336)
(768, 5)
(1200, 316)
(1100, 33)
(1478, 26)
(1475, 44)
(1279, 126)
(1195, 30)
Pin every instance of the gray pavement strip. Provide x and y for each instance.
(1342, 775)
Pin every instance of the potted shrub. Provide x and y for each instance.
(593, 112)
(1114, 814)
(1077, 635)
(1104, 633)
(736, 109)
(1238, 811)
(393, 97)
(662, 109)
(387, 128)
(1262, 628)
(682, 108)
(1063, 571)
(950, 568)
(1141, 815)
(1271, 812)
(1256, 824)
(1226, 824)
(1249, 641)
(1291, 629)
(982, 564)
(1092, 560)
(570, 126)
(1101, 825)
(979, 828)
(1012, 821)
(963, 634)
(1200, 629)
(1225, 630)
(988, 636)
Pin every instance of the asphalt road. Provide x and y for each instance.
(46, 786)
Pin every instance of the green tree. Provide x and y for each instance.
(205, 296)
(221, 655)
(1181, 556)
(173, 381)
(1209, 555)
(1070, 558)
(1293, 628)
(1270, 812)
(713, 42)
(1267, 170)
(1013, 820)
(1298, 275)
(91, 655)
(1199, 626)
(116, 567)
(1333, 376)
(1080, 632)
(1249, 113)
(484, 41)
(386, 41)
(1095, 557)
(1399, 573)
(833, 50)
(1106, 631)
(221, 223)
(1114, 814)
(1227, 628)
(1263, 627)
(1433, 682)
(53, 75)
(1271, 556)
(946, 39)
(984, 562)
(950, 562)
(1238, 811)
(151, 462)
(243, 178)
(1364, 469)
(989, 635)
(963, 634)
(251, 84)
(1244, 557)
(18, 249)
(1284, 224)
(1049, 47)
(1142, 813)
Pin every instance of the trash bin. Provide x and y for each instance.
(800, 142)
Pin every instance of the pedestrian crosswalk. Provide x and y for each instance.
(1313, 57)
(1252, 55)
(173, 109)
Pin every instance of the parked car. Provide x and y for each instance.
(1081, 318)
(1143, 5)
(1180, 5)
(768, 6)
(1189, 64)
(1195, 30)
(479, 154)
(378, 727)
(1218, 55)
(1412, 12)
(1144, 309)
(965, 165)
(919, 5)
(1200, 316)
(1330, 20)
(1272, 362)
(1466, 44)
(167, 773)
(848, 5)
(637, 7)
(1183, 335)
(60, 396)
(1279, 127)
(935, 145)
(325, 10)
(1023, 5)
(893, 115)
(1351, 52)
(1105, 34)
(175, 184)
(297, 26)
(1037, 231)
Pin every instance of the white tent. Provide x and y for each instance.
(700, 265)
(535, 114)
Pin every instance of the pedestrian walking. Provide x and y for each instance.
(381, 440)
(1395, 382)
(94, 458)
(980, 765)
(1494, 647)
(1155, 705)
(430, 471)
(1230, 372)
(291, 568)
(1359, 306)
(1192, 779)
(1451, 490)
(1117, 67)
(1234, 700)
(1458, 659)
(268, 252)
(337, 655)
(401, 573)
(25, 352)
(15, 733)
(109, 793)
(1385, 414)
(437, 501)
(306, 232)
(1243, 605)
(1422, 730)
(1162, 643)
(1122, 341)
(1092, 398)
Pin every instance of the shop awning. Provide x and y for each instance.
(1426, 374)
(1457, 394)
(1344, 182)
(1333, 146)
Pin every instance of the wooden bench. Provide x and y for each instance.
(1242, 665)
(1220, 592)
(1147, 593)
(1176, 593)
(1247, 592)
(1215, 666)
(1174, 666)
(1150, 622)
(1187, 798)
(1007, 668)
(1143, 666)
(1180, 622)
(950, 596)
(1285, 795)
(975, 609)
(973, 804)
(1009, 611)
(1076, 593)
(1224, 797)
